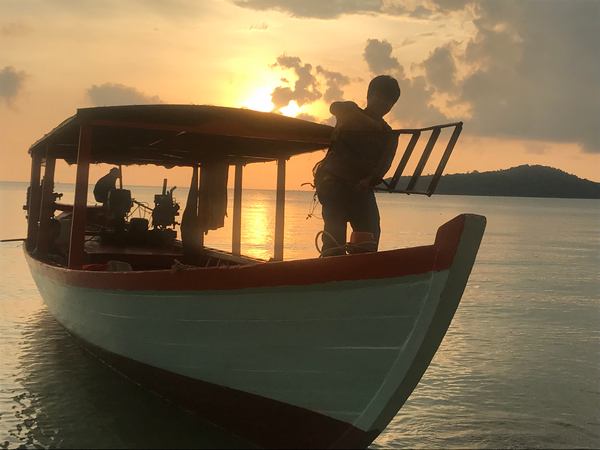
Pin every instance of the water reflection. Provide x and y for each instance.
(258, 223)
(69, 399)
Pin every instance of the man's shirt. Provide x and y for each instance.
(360, 150)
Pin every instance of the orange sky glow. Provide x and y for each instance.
(272, 56)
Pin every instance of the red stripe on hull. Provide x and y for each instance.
(387, 264)
(262, 421)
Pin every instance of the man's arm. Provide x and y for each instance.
(382, 166)
(349, 115)
(385, 161)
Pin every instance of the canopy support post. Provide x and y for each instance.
(76, 248)
(46, 210)
(279, 210)
(236, 238)
(33, 201)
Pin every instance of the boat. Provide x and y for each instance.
(308, 353)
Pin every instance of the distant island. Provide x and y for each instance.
(520, 181)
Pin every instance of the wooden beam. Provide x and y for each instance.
(279, 210)
(404, 161)
(424, 157)
(33, 201)
(445, 157)
(46, 211)
(76, 248)
(236, 237)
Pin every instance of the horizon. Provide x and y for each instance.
(309, 189)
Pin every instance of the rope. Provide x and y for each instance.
(320, 250)
(347, 248)
(313, 206)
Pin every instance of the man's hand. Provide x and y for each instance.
(350, 117)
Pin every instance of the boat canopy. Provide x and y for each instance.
(182, 135)
(209, 138)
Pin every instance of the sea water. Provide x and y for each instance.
(519, 366)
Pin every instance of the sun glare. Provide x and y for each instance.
(259, 100)
(291, 110)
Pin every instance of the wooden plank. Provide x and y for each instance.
(433, 127)
(404, 161)
(445, 157)
(33, 202)
(236, 238)
(279, 210)
(76, 248)
(424, 157)
(238, 259)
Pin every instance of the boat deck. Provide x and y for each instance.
(160, 258)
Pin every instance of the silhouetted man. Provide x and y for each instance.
(361, 153)
(106, 184)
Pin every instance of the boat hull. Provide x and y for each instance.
(312, 353)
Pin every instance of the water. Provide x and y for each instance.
(519, 366)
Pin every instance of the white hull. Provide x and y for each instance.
(349, 350)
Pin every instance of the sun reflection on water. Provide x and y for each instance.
(257, 228)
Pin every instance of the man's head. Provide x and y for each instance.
(382, 94)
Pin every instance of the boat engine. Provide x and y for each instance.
(165, 208)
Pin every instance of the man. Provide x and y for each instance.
(361, 152)
(106, 184)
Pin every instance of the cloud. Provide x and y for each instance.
(11, 83)
(531, 71)
(421, 12)
(320, 9)
(440, 68)
(537, 70)
(415, 104)
(108, 94)
(331, 9)
(334, 81)
(306, 87)
(108, 9)
(415, 108)
(378, 55)
(312, 84)
(450, 5)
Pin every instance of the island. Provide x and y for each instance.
(521, 181)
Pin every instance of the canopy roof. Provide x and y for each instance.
(180, 135)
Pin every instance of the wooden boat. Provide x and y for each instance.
(317, 352)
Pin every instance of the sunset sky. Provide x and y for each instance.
(524, 76)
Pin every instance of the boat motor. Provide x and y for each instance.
(165, 208)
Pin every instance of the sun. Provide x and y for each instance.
(259, 100)
(291, 109)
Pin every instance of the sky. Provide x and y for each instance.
(522, 75)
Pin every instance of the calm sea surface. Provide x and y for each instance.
(519, 366)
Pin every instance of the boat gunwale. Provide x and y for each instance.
(301, 272)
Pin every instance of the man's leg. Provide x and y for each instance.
(365, 214)
(334, 237)
(332, 196)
